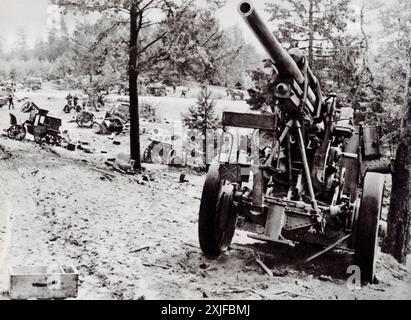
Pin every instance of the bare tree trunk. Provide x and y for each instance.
(365, 57)
(91, 74)
(311, 35)
(133, 77)
(398, 238)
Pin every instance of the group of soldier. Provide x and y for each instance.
(72, 100)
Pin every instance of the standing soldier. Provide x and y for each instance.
(11, 103)
(69, 98)
(75, 99)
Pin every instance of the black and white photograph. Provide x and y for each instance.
(220, 151)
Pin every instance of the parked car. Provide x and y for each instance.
(34, 83)
(157, 90)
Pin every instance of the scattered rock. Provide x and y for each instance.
(279, 273)
(203, 266)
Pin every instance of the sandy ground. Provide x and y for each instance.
(138, 240)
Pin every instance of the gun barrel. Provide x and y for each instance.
(284, 62)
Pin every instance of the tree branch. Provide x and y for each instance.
(152, 43)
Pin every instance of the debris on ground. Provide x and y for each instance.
(264, 267)
(326, 278)
(183, 178)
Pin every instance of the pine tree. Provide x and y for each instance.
(310, 24)
(21, 44)
(317, 27)
(394, 74)
(398, 240)
(199, 48)
(202, 116)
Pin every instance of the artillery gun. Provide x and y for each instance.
(310, 184)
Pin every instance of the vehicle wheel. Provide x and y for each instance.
(85, 120)
(51, 139)
(102, 129)
(66, 109)
(218, 214)
(26, 107)
(366, 245)
(37, 139)
(16, 132)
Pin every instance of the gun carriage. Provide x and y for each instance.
(309, 185)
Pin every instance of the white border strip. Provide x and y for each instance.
(5, 210)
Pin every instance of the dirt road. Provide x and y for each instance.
(139, 241)
(136, 239)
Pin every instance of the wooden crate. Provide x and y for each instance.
(43, 282)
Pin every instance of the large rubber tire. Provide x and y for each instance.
(366, 245)
(66, 109)
(85, 120)
(217, 216)
(16, 132)
(51, 138)
(26, 107)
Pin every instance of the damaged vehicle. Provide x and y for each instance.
(4, 96)
(121, 110)
(157, 90)
(111, 124)
(29, 107)
(45, 129)
(115, 119)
